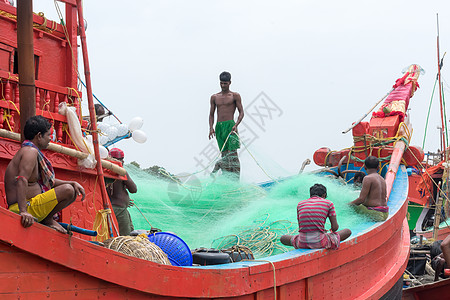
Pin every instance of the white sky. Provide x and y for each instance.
(323, 63)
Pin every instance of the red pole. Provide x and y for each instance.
(87, 74)
(440, 94)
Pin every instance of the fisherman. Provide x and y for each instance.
(100, 112)
(226, 103)
(32, 191)
(372, 200)
(442, 261)
(118, 195)
(312, 214)
(358, 179)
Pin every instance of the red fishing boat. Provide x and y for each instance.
(38, 262)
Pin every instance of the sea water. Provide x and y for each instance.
(221, 212)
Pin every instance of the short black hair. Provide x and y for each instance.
(99, 109)
(371, 162)
(34, 125)
(225, 76)
(359, 176)
(317, 190)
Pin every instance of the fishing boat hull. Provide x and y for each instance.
(39, 262)
(435, 290)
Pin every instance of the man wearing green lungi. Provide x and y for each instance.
(225, 131)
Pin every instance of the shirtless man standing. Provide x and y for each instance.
(372, 200)
(226, 103)
(32, 191)
(118, 195)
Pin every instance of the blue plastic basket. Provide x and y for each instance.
(176, 249)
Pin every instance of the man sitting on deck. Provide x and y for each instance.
(312, 214)
(30, 184)
(372, 200)
(443, 259)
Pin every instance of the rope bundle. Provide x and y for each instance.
(262, 240)
(139, 247)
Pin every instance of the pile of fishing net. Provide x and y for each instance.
(261, 239)
(138, 246)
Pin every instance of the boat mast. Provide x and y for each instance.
(25, 50)
(443, 185)
(443, 130)
(93, 120)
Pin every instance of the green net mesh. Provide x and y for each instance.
(222, 212)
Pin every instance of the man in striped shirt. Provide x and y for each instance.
(312, 214)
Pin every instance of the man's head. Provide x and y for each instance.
(358, 178)
(116, 153)
(371, 162)
(99, 111)
(37, 129)
(225, 80)
(318, 190)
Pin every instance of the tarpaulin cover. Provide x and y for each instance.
(398, 100)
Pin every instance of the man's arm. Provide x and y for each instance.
(334, 223)
(240, 109)
(212, 110)
(366, 183)
(130, 185)
(26, 166)
(79, 190)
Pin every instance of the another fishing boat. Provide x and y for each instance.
(38, 262)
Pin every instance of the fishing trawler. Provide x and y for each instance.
(38, 262)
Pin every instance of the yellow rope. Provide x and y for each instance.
(6, 117)
(101, 224)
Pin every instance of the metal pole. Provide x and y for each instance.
(27, 87)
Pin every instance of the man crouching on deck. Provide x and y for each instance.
(372, 200)
(30, 185)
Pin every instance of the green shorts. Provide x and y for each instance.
(223, 129)
(39, 206)
(377, 216)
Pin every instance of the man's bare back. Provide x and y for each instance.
(374, 190)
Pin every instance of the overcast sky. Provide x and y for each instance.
(305, 71)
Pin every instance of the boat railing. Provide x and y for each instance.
(48, 98)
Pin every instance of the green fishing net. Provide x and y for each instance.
(221, 212)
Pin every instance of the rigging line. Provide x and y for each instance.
(134, 204)
(246, 148)
(101, 103)
(428, 115)
(445, 117)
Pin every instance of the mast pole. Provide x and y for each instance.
(440, 93)
(93, 120)
(27, 87)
